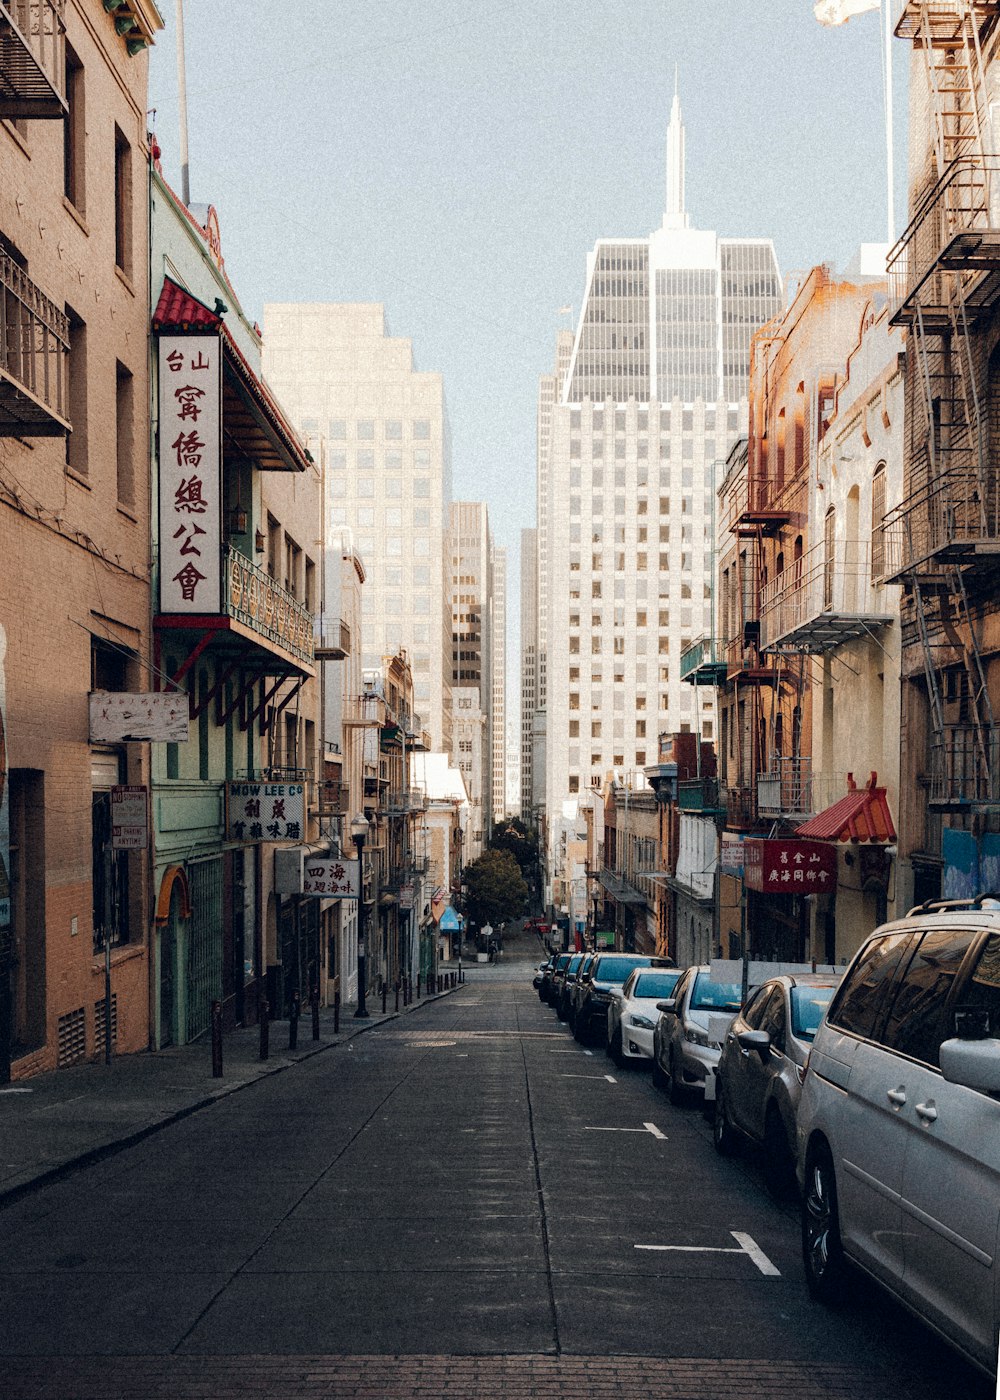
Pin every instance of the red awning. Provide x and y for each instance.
(863, 815)
(178, 310)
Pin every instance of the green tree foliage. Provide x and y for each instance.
(512, 835)
(496, 889)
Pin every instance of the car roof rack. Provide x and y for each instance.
(941, 906)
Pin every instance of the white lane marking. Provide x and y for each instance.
(646, 1128)
(589, 1076)
(611, 1079)
(652, 1128)
(747, 1245)
(588, 1052)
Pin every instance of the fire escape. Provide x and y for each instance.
(945, 284)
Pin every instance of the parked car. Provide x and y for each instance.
(632, 1013)
(547, 990)
(540, 971)
(686, 1042)
(605, 976)
(566, 966)
(899, 1124)
(564, 1001)
(760, 1071)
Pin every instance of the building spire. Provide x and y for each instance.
(675, 215)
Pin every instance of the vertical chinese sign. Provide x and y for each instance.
(190, 474)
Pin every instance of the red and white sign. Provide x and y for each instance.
(129, 819)
(331, 878)
(789, 867)
(190, 477)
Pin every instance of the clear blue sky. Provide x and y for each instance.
(457, 160)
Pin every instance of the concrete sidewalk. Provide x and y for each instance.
(55, 1123)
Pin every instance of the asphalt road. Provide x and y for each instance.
(467, 1190)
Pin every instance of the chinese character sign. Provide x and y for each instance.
(266, 811)
(190, 474)
(119, 716)
(790, 867)
(330, 878)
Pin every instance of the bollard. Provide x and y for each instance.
(336, 1012)
(409, 991)
(406, 991)
(418, 986)
(216, 1039)
(397, 996)
(314, 1001)
(293, 1023)
(385, 989)
(263, 1011)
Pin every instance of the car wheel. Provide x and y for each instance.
(723, 1132)
(561, 1010)
(822, 1250)
(579, 1033)
(675, 1089)
(659, 1078)
(779, 1170)
(615, 1049)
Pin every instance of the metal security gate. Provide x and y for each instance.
(204, 967)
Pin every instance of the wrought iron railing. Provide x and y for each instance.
(408, 800)
(699, 795)
(964, 766)
(34, 61)
(749, 496)
(741, 806)
(253, 598)
(954, 515)
(704, 654)
(823, 582)
(333, 798)
(34, 352)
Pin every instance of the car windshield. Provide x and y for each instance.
(575, 962)
(562, 960)
(714, 996)
(655, 984)
(614, 969)
(808, 1007)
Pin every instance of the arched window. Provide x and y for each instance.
(878, 516)
(829, 555)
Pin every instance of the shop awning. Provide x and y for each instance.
(863, 815)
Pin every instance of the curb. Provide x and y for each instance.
(93, 1155)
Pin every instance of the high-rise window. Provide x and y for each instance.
(124, 435)
(123, 203)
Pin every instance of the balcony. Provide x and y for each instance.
(955, 520)
(700, 796)
(32, 59)
(332, 639)
(702, 663)
(741, 807)
(950, 251)
(786, 790)
(368, 711)
(34, 354)
(749, 507)
(824, 599)
(961, 776)
(943, 23)
(333, 798)
(744, 661)
(404, 803)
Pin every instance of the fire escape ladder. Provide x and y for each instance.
(956, 80)
(981, 706)
(930, 670)
(972, 433)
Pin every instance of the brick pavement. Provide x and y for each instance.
(513, 1377)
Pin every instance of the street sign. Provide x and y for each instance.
(129, 819)
(332, 878)
(265, 811)
(789, 867)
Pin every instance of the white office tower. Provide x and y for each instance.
(380, 429)
(529, 668)
(472, 661)
(630, 455)
(498, 683)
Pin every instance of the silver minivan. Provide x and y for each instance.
(898, 1129)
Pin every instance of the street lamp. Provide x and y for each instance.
(359, 833)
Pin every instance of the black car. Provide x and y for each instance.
(547, 988)
(567, 1004)
(605, 976)
(562, 985)
(540, 971)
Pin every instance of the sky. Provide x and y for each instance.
(457, 160)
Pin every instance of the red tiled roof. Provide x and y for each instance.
(178, 310)
(863, 815)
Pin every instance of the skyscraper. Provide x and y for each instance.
(650, 396)
(381, 427)
(498, 682)
(472, 660)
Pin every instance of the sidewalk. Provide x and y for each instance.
(60, 1121)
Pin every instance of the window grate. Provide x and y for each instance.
(99, 1046)
(72, 1037)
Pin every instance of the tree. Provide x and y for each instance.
(522, 843)
(496, 890)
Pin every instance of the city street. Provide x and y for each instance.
(463, 1201)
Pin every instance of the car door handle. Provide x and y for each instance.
(896, 1096)
(927, 1111)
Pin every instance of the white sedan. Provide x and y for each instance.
(632, 1012)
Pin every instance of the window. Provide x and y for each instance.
(394, 429)
(916, 1022)
(337, 461)
(421, 517)
(421, 576)
(878, 515)
(393, 518)
(862, 993)
(74, 134)
(366, 517)
(421, 428)
(124, 435)
(366, 487)
(422, 488)
(394, 488)
(76, 441)
(983, 989)
(366, 429)
(123, 203)
(366, 459)
(337, 429)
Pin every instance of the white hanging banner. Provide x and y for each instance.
(190, 477)
(117, 717)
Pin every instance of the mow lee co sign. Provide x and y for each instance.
(265, 811)
(789, 867)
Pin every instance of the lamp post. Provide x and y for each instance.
(359, 833)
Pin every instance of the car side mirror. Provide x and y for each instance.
(755, 1040)
(669, 1005)
(975, 1064)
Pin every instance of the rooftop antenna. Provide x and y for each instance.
(674, 215)
(182, 106)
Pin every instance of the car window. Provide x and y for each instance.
(715, 996)
(575, 962)
(983, 989)
(562, 960)
(657, 985)
(915, 1024)
(808, 1005)
(863, 990)
(773, 1020)
(755, 1007)
(615, 969)
(682, 985)
(585, 965)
